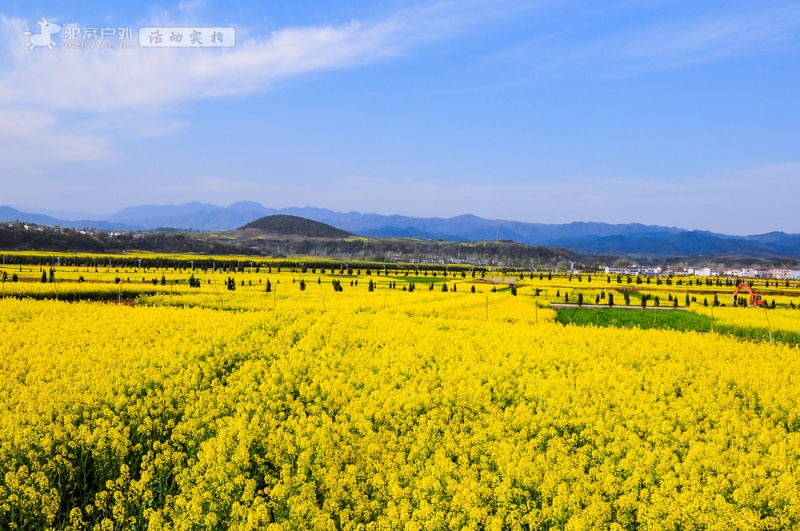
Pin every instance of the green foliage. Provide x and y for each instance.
(630, 318)
(295, 225)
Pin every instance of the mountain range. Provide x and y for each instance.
(583, 237)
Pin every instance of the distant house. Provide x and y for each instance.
(783, 274)
(741, 273)
(633, 270)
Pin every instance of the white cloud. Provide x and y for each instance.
(190, 5)
(714, 37)
(97, 81)
(30, 139)
(747, 201)
(631, 41)
(54, 89)
(773, 175)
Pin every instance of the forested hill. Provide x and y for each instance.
(295, 226)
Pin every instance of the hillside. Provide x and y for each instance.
(295, 226)
(632, 239)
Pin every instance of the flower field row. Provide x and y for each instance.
(385, 410)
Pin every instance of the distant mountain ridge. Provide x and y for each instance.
(585, 237)
(11, 214)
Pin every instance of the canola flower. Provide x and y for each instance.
(755, 323)
(781, 319)
(314, 409)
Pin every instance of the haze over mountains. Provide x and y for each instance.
(584, 237)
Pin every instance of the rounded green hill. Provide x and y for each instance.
(295, 226)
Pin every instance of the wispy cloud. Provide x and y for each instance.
(30, 139)
(633, 37)
(106, 80)
(710, 202)
(714, 37)
(101, 87)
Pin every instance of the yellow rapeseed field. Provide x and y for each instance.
(209, 408)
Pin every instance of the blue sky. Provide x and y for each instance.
(662, 112)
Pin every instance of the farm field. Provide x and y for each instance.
(132, 400)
